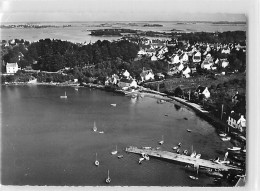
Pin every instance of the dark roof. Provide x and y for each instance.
(234, 116)
(200, 89)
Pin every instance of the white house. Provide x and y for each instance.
(184, 57)
(196, 57)
(11, 68)
(126, 74)
(180, 67)
(186, 72)
(224, 63)
(202, 90)
(176, 59)
(153, 58)
(147, 75)
(207, 63)
(236, 121)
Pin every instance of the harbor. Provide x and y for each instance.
(181, 158)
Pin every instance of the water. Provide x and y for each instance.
(49, 141)
(80, 31)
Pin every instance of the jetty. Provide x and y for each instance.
(181, 158)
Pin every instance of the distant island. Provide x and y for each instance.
(37, 26)
(152, 25)
(121, 32)
(227, 22)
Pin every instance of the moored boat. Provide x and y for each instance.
(193, 154)
(115, 151)
(94, 127)
(64, 96)
(108, 179)
(96, 161)
(140, 160)
(120, 156)
(162, 141)
(226, 138)
(234, 149)
(198, 156)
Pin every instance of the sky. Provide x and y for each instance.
(123, 10)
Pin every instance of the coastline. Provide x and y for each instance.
(218, 124)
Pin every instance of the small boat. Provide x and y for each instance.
(178, 151)
(140, 160)
(162, 141)
(96, 161)
(179, 144)
(185, 152)
(244, 150)
(94, 127)
(134, 96)
(215, 174)
(198, 156)
(193, 154)
(193, 177)
(188, 130)
(145, 156)
(64, 96)
(77, 89)
(114, 152)
(113, 104)
(226, 138)
(175, 148)
(108, 179)
(120, 156)
(157, 148)
(234, 149)
(101, 132)
(147, 147)
(222, 134)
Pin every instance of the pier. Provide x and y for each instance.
(181, 158)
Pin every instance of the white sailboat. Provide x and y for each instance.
(162, 141)
(195, 177)
(63, 96)
(96, 161)
(95, 127)
(114, 152)
(108, 179)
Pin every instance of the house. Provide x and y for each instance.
(184, 57)
(175, 59)
(186, 71)
(237, 121)
(147, 75)
(202, 91)
(153, 58)
(126, 74)
(196, 57)
(126, 83)
(11, 68)
(224, 63)
(207, 63)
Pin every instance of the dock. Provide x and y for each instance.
(181, 158)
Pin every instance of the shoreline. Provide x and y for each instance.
(218, 124)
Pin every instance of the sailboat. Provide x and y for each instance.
(64, 96)
(195, 177)
(108, 179)
(95, 127)
(114, 152)
(162, 141)
(96, 161)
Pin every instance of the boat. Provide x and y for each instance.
(114, 152)
(96, 161)
(244, 150)
(195, 177)
(147, 147)
(175, 148)
(185, 152)
(113, 104)
(179, 144)
(222, 134)
(120, 156)
(145, 156)
(193, 154)
(188, 130)
(140, 160)
(108, 179)
(101, 132)
(214, 174)
(226, 138)
(94, 127)
(64, 96)
(234, 149)
(198, 156)
(157, 148)
(178, 151)
(77, 89)
(162, 141)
